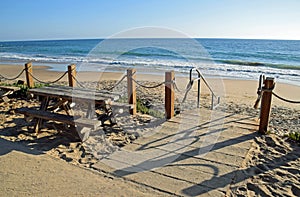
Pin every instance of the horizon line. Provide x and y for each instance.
(94, 38)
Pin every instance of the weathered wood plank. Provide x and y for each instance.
(68, 96)
(13, 88)
(70, 90)
(7, 90)
(122, 105)
(71, 96)
(46, 115)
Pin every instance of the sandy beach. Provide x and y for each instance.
(42, 166)
(234, 90)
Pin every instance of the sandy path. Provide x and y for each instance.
(26, 174)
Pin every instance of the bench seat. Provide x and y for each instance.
(12, 88)
(70, 120)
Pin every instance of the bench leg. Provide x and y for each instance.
(68, 108)
(83, 133)
(63, 104)
(56, 107)
(91, 111)
(108, 115)
(44, 105)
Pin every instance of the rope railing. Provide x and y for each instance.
(13, 78)
(261, 89)
(265, 95)
(187, 89)
(200, 76)
(109, 89)
(49, 82)
(78, 82)
(169, 83)
(205, 82)
(154, 86)
(34, 77)
(284, 99)
(118, 83)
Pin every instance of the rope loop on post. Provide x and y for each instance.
(259, 91)
(267, 89)
(78, 82)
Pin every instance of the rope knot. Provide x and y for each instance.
(267, 89)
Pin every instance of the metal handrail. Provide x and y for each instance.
(200, 76)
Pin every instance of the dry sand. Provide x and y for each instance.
(52, 164)
(25, 173)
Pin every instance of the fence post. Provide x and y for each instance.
(28, 71)
(72, 75)
(266, 104)
(131, 90)
(169, 94)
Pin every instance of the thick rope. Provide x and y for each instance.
(118, 83)
(51, 82)
(188, 88)
(176, 88)
(186, 91)
(155, 86)
(14, 78)
(109, 89)
(78, 82)
(284, 99)
(259, 91)
(190, 85)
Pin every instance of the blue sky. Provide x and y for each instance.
(64, 19)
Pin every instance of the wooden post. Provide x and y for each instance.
(266, 105)
(28, 73)
(169, 94)
(72, 75)
(131, 89)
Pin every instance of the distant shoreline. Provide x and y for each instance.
(61, 67)
(78, 39)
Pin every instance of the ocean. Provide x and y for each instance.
(225, 58)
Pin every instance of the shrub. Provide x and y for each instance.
(295, 136)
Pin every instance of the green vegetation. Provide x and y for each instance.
(123, 99)
(268, 132)
(145, 110)
(295, 136)
(140, 107)
(23, 90)
(23, 87)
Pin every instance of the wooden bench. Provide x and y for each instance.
(70, 120)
